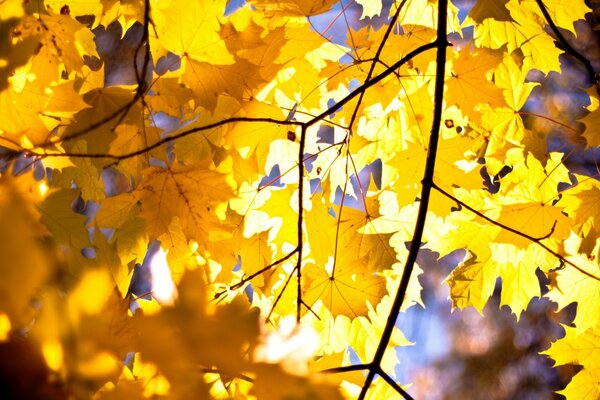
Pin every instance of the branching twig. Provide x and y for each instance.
(122, 111)
(167, 139)
(372, 82)
(516, 232)
(257, 273)
(394, 384)
(375, 60)
(594, 78)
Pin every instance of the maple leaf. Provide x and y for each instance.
(525, 32)
(484, 9)
(66, 226)
(370, 8)
(22, 121)
(20, 234)
(469, 79)
(344, 290)
(580, 349)
(591, 121)
(64, 40)
(563, 12)
(580, 204)
(293, 7)
(424, 13)
(190, 193)
(191, 30)
(571, 284)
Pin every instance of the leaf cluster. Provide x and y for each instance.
(284, 175)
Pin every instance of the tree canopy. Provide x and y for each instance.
(290, 181)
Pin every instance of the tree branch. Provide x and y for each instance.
(516, 232)
(257, 273)
(386, 35)
(441, 44)
(594, 78)
(300, 245)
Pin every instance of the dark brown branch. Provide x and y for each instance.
(362, 88)
(594, 78)
(441, 44)
(347, 368)
(287, 282)
(246, 279)
(122, 111)
(167, 139)
(395, 385)
(300, 221)
(516, 232)
(386, 35)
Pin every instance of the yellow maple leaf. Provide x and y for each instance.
(343, 291)
(564, 13)
(495, 9)
(469, 83)
(591, 121)
(580, 348)
(190, 193)
(571, 284)
(66, 226)
(370, 8)
(24, 264)
(21, 117)
(581, 202)
(12, 55)
(525, 32)
(65, 41)
(304, 8)
(424, 13)
(472, 281)
(279, 205)
(191, 29)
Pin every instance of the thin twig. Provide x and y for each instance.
(516, 232)
(375, 60)
(594, 78)
(246, 279)
(395, 385)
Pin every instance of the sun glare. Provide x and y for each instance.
(163, 288)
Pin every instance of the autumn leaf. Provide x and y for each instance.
(580, 349)
(20, 241)
(294, 7)
(470, 78)
(292, 161)
(189, 193)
